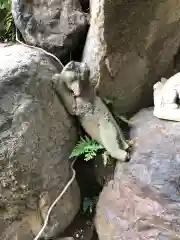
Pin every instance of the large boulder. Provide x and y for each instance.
(142, 202)
(54, 25)
(130, 45)
(36, 138)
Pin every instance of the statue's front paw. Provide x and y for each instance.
(130, 143)
(126, 145)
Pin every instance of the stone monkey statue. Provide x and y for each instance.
(73, 87)
(166, 96)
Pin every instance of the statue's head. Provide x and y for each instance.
(75, 76)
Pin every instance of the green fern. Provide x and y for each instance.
(89, 203)
(8, 20)
(7, 23)
(87, 147)
(8, 27)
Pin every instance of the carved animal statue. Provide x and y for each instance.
(166, 97)
(73, 87)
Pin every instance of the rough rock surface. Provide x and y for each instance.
(54, 25)
(36, 138)
(143, 200)
(130, 45)
(18, 230)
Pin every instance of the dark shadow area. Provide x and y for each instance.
(85, 5)
(82, 227)
(76, 53)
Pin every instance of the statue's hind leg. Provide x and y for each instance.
(109, 139)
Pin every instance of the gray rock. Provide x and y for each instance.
(55, 25)
(36, 138)
(142, 202)
(130, 45)
(18, 230)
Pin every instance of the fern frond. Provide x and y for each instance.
(86, 147)
(7, 33)
(79, 148)
(8, 21)
(89, 155)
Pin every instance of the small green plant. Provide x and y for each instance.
(87, 147)
(8, 27)
(6, 24)
(89, 204)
